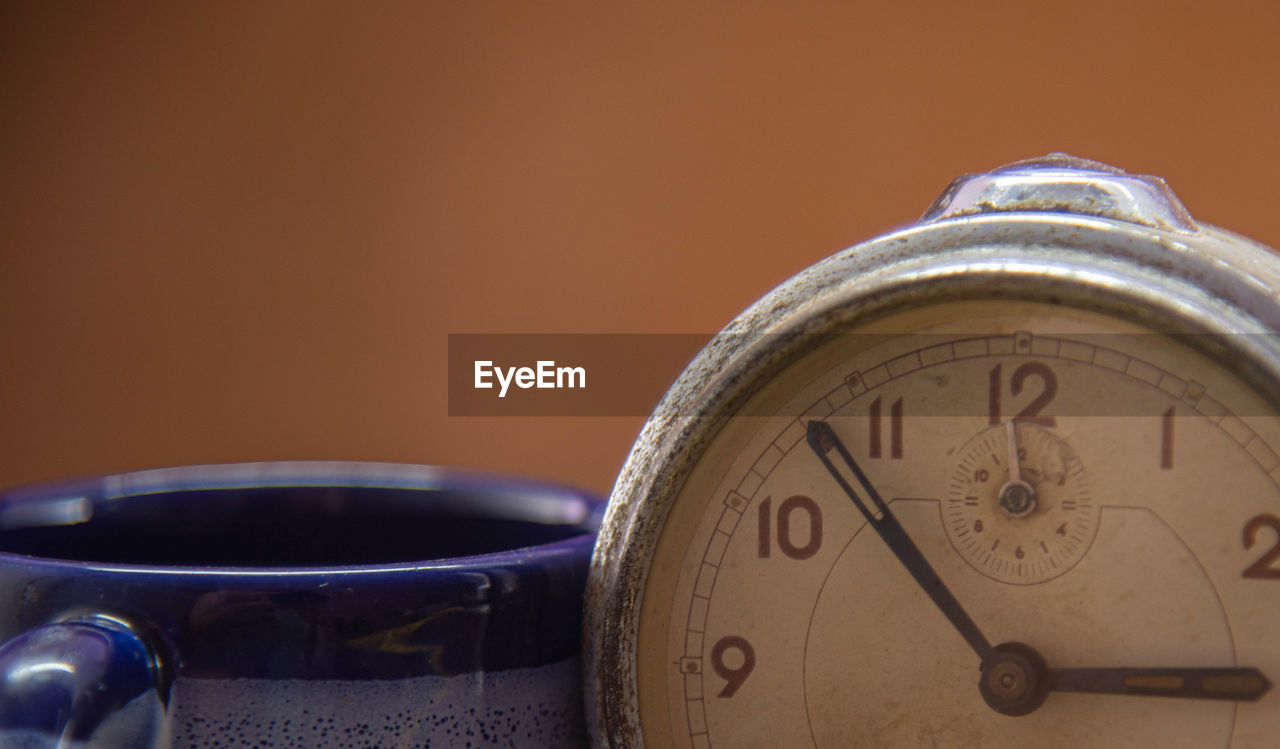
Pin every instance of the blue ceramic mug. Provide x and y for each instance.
(293, 605)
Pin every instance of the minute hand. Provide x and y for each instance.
(822, 438)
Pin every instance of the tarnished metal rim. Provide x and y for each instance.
(1210, 282)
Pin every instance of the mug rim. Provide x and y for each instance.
(581, 508)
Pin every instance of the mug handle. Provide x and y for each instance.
(92, 679)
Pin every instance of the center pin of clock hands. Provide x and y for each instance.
(1015, 680)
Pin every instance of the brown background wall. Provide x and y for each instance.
(239, 231)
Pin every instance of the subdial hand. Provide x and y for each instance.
(1017, 497)
(823, 440)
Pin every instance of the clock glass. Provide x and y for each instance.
(975, 524)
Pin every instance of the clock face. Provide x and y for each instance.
(973, 525)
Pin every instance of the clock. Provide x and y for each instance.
(1010, 475)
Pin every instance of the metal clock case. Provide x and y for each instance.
(1008, 474)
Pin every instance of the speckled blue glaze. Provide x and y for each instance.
(293, 604)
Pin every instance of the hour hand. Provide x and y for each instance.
(1016, 680)
(1241, 684)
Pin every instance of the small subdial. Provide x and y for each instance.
(1018, 507)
